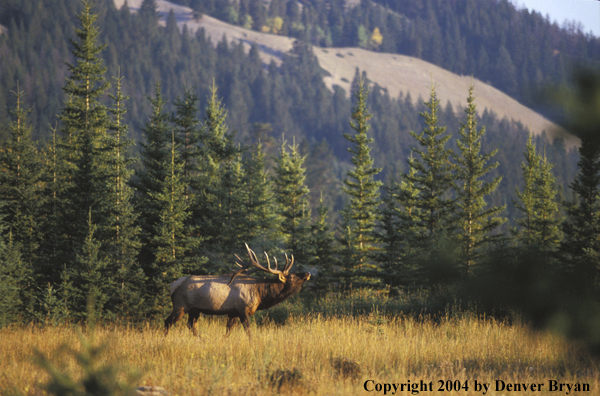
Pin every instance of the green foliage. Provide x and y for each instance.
(360, 185)
(13, 275)
(169, 241)
(476, 223)
(325, 249)
(88, 276)
(20, 184)
(187, 134)
(433, 177)
(291, 195)
(539, 222)
(173, 241)
(120, 239)
(262, 220)
(199, 193)
(581, 244)
(154, 158)
(220, 187)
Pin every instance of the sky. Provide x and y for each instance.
(585, 11)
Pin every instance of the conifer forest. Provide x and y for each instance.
(133, 153)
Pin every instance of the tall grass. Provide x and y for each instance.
(310, 354)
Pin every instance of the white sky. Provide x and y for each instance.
(585, 11)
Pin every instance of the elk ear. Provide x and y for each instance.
(282, 278)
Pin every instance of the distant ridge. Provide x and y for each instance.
(396, 73)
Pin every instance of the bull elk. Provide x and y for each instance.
(237, 295)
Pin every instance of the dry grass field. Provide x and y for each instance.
(313, 355)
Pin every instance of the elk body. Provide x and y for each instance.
(232, 295)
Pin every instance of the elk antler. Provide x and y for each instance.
(253, 262)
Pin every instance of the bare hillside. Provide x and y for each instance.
(397, 73)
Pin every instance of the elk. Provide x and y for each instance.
(233, 295)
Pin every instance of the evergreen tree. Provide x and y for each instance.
(389, 256)
(476, 221)
(20, 184)
(187, 134)
(547, 222)
(581, 243)
(88, 278)
(433, 181)
(262, 228)
(53, 247)
(433, 177)
(360, 185)
(173, 241)
(410, 228)
(219, 184)
(291, 194)
(85, 122)
(323, 241)
(537, 203)
(349, 254)
(120, 239)
(154, 156)
(13, 274)
(527, 202)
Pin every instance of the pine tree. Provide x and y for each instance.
(390, 252)
(120, 239)
(84, 123)
(527, 198)
(262, 220)
(53, 247)
(169, 243)
(219, 185)
(547, 222)
(154, 156)
(411, 229)
(13, 274)
(88, 278)
(323, 241)
(20, 181)
(581, 243)
(291, 194)
(476, 221)
(537, 203)
(360, 185)
(173, 241)
(433, 177)
(187, 134)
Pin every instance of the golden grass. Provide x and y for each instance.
(386, 351)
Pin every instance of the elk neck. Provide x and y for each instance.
(274, 293)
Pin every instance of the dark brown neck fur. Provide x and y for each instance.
(272, 293)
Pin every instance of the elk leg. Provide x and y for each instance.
(193, 316)
(230, 323)
(246, 323)
(173, 318)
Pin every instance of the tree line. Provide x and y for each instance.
(83, 219)
(264, 102)
(514, 50)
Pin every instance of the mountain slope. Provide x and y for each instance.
(396, 73)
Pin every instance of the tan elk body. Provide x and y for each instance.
(232, 295)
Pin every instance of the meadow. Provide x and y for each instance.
(311, 353)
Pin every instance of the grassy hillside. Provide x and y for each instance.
(398, 74)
